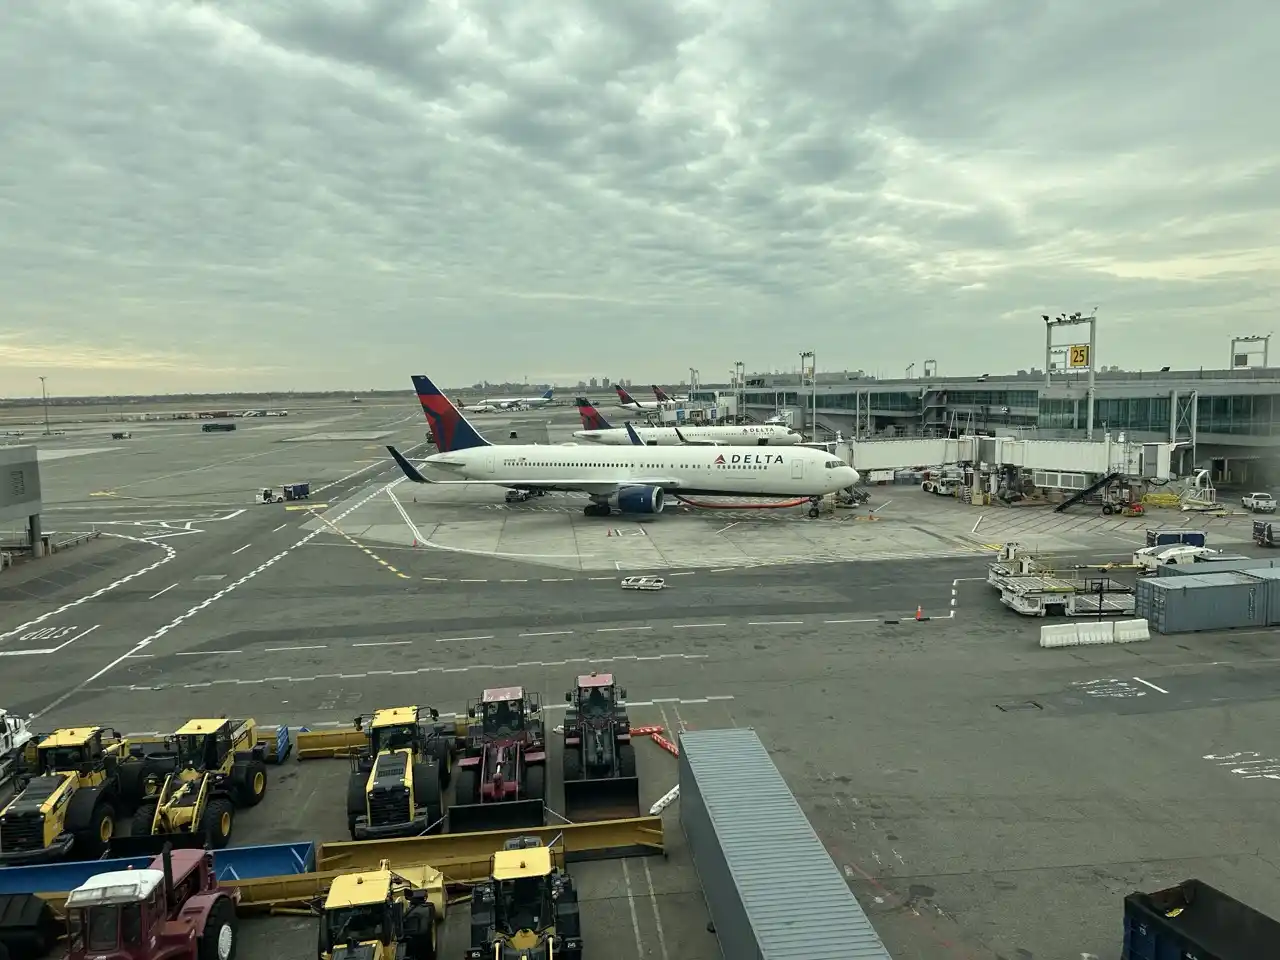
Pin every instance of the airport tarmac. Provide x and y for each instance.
(984, 797)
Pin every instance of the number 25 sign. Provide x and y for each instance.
(1078, 355)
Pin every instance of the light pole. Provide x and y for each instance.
(813, 383)
(44, 393)
(739, 377)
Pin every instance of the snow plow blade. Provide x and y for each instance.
(153, 844)
(503, 815)
(609, 798)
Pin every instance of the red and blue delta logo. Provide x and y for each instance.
(442, 424)
(719, 461)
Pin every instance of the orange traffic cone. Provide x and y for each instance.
(919, 612)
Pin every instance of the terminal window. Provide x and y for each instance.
(17, 483)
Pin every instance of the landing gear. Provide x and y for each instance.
(813, 507)
(597, 508)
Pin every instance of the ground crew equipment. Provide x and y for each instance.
(600, 779)
(527, 909)
(383, 914)
(217, 766)
(290, 491)
(501, 778)
(70, 788)
(173, 909)
(397, 780)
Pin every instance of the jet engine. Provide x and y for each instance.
(640, 500)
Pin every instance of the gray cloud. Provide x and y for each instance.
(256, 193)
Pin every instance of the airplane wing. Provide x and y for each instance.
(685, 441)
(571, 483)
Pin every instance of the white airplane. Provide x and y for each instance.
(494, 404)
(664, 397)
(596, 429)
(627, 402)
(634, 479)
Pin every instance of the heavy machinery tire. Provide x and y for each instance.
(221, 935)
(568, 920)
(535, 782)
(813, 513)
(466, 786)
(420, 931)
(218, 821)
(29, 929)
(94, 838)
(426, 790)
(129, 784)
(140, 825)
(355, 800)
(626, 760)
(442, 750)
(254, 785)
(572, 765)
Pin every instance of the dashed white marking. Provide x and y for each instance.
(384, 643)
(203, 653)
(694, 626)
(169, 554)
(162, 592)
(867, 620)
(1151, 685)
(184, 617)
(548, 633)
(619, 629)
(281, 527)
(773, 623)
(461, 639)
(239, 549)
(320, 646)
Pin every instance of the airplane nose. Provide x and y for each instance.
(853, 475)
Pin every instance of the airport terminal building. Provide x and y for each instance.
(1228, 420)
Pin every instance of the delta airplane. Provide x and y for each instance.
(596, 429)
(664, 397)
(627, 402)
(634, 479)
(494, 404)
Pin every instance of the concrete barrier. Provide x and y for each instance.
(1131, 631)
(1059, 635)
(1094, 632)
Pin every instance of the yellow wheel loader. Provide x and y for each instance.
(527, 909)
(191, 794)
(383, 914)
(397, 778)
(70, 788)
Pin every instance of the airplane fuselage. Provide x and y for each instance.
(742, 436)
(795, 472)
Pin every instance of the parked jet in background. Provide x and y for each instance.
(664, 397)
(597, 429)
(634, 479)
(627, 402)
(494, 404)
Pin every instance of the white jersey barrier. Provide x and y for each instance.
(1091, 633)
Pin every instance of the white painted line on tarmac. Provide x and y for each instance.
(384, 643)
(1151, 685)
(465, 580)
(774, 623)
(183, 618)
(279, 528)
(548, 633)
(320, 646)
(869, 620)
(169, 554)
(694, 626)
(240, 549)
(513, 581)
(682, 573)
(619, 629)
(979, 521)
(162, 592)
(205, 653)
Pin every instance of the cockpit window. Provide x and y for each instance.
(834, 464)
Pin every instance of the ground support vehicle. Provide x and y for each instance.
(1259, 503)
(173, 909)
(528, 908)
(1067, 596)
(643, 583)
(383, 914)
(1195, 920)
(15, 734)
(501, 778)
(600, 779)
(71, 784)
(398, 778)
(218, 765)
(1263, 533)
(290, 491)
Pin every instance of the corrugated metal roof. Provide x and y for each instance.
(799, 904)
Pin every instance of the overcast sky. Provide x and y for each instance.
(245, 194)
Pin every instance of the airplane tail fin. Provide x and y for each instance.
(549, 394)
(450, 428)
(635, 437)
(661, 394)
(592, 419)
(622, 394)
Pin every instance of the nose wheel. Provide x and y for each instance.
(597, 510)
(813, 507)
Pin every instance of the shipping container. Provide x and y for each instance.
(1211, 601)
(1195, 920)
(1214, 565)
(1270, 578)
(772, 890)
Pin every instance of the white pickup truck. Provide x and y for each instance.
(1259, 503)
